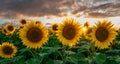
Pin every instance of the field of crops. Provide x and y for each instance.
(66, 43)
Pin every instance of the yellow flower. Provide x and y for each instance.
(0, 28)
(34, 35)
(23, 22)
(102, 34)
(114, 45)
(69, 32)
(53, 28)
(7, 50)
(86, 28)
(38, 22)
(119, 30)
(5, 32)
(87, 33)
(9, 28)
(87, 24)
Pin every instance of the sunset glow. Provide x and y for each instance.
(81, 19)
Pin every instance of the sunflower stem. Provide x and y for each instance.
(32, 53)
(64, 55)
(93, 51)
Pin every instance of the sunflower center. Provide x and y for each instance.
(7, 50)
(10, 28)
(102, 34)
(55, 27)
(34, 34)
(37, 22)
(23, 21)
(69, 32)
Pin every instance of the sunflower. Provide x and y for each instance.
(5, 32)
(9, 28)
(87, 30)
(87, 24)
(23, 22)
(114, 44)
(0, 28)
(69, 32)
(87, 33)
(119, 30)
(103, 33)
(33, 35)
(7, 50)
(86, 27)
(38, 22)
(53, 28)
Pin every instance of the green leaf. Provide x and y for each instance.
(81, 50)
(115, 59)
(49, 49)
(24, 50)
(73, 59)
(3, 61)
(21, 61)
(57, 61)
(37, 60)
(82, 62)
(43, 54)
(49, 61)
(100, 58)
(108, 61)
(70, 52)
(118, 60)
(17, 58)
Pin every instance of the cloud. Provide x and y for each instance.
(104, 10)
(29, 7)
(96, 15)
(14, 8)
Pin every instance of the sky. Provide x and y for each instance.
(50, 11)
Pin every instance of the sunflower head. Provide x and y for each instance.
(114, 45)
(21, 27)
(5, 32)
(33, 35)
(54, 28)
(119, 30)
(87, 24)
(86, 27)
(23, 22)
(87, 33)
(0, 28)
(9, 28)
(7, 50)
(38, 22)
(103, 33)
(69, 32)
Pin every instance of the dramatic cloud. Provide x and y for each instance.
(105, 10)
(90, 8)
(29, 7)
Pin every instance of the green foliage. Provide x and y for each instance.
(100, 58)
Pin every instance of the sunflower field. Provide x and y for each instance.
(68, 42)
